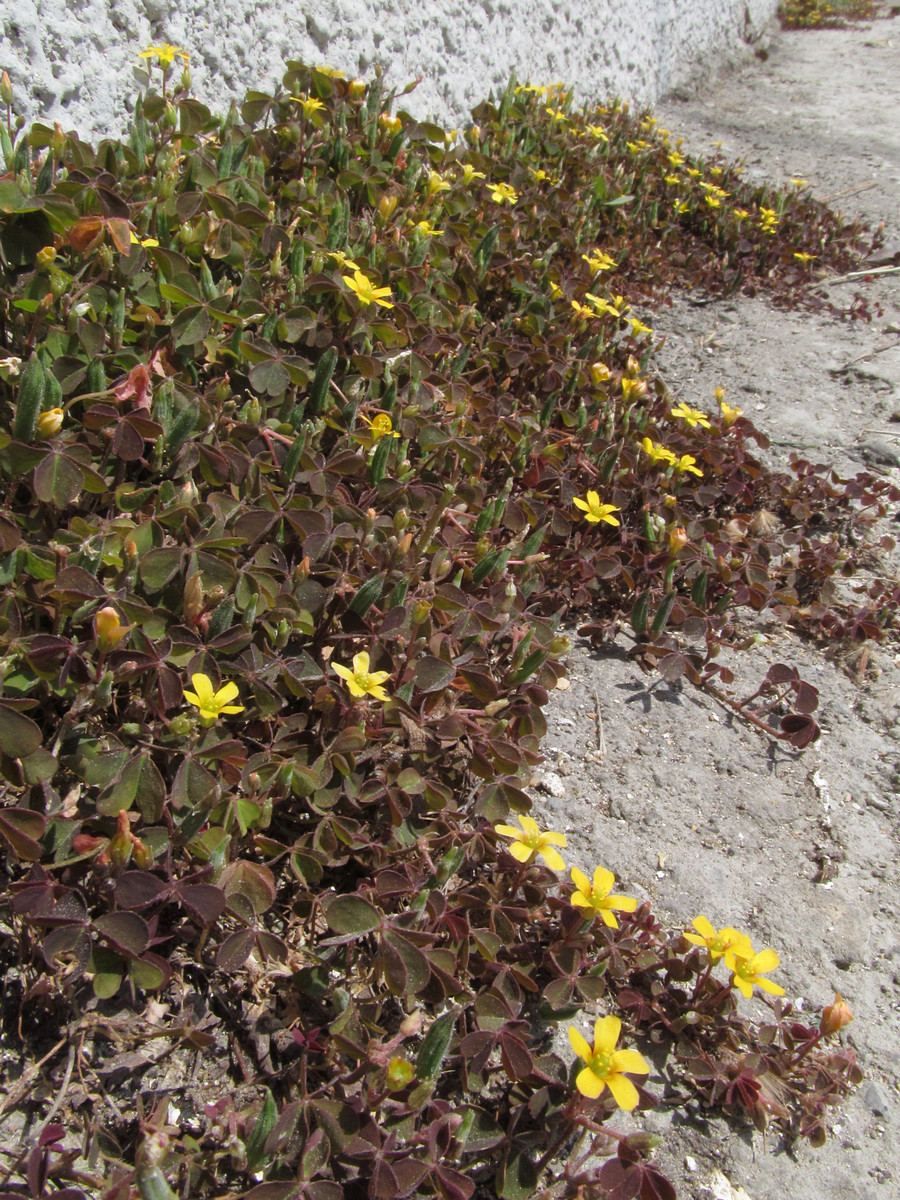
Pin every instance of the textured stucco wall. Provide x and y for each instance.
(72, 60)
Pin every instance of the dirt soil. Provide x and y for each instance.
(693, 808)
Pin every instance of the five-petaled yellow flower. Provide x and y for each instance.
(108, 630)
(657, 452)
(309, 104)
(426, 229)
(693, 416)
(361, 681)
(212, 703)
(598, 261)
(137, 241)
(469, 173)
(594, 511)
(638, 327)
(804, 257)
(605, 1065)
(687, 462)
(501, 192)
(529, 841)
(749, 970)
(380, 426)
(719, 941)
(165, 54)
(729, 414)
(391, 124)
(366, 291)
(595, 895)
(437, 183)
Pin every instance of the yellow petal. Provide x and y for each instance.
(192, 699)
(589, 1084)
(630, 1061)
(622, 903)
(606, 1034)
(581, 881)
(703, 927)
(593, 499)
(624, 1092)
(552, 858)
(579, 1044)
(508, 831)
(344, 672)
(774, 989)
(204, 688)
(745, 988)
(580, 504)
(361, 662)
(608, 919)
(530, 826)
(520, 851)
(231, 708)
(226, 693)
(603, 881)
(766, 960)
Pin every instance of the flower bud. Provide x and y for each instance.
(108, 631)
(58, 140)
(46, 257)
(357, 88)
(421, 611)
(678, 539)
(181, 725)
(186, 78)
(400, 1073)
(142, 854)
(6, 92)
(835, 1016)
(120, 845)
(50, 422)
(386, 206)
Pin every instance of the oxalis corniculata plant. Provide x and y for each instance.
(318, 422)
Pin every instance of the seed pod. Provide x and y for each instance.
(30, 399)
(318, 393)
(95, 376)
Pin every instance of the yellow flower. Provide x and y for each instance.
(633, 389)
(437, 184)
(164, 55)
(136, 241)
(556, 114)
(598, 261)
(657, 452)
(502, 192)
(638, 327)
(605, 1065)
(469, 173)
(366, 291)
(427, 229)
(50, 422)
(687, 462)
(680, 207)
(600, 372)
(747, 971)
(719, 941)
(595, 896)
(678, 539)
(693, 172)
(309, 104)
(540, 175)
(673, 179)
(741, 214)
(800, 183)
(529, 841)
(693, 416)
(212, 703)
(598, 132)
(361, 681)
(380, 426)
(107, 629)
(391, 124)
(604, 306)
(729, 414)
(713, 201)
(676, 159)
(594, 511)
(331, 72)
(804, 257)
(582, 310)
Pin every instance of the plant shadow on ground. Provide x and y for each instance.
(320, 420)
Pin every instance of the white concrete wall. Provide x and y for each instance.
(73, 60)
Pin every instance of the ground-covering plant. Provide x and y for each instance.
(817, 14)
(318, 422)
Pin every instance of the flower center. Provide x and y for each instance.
(601, 1065)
